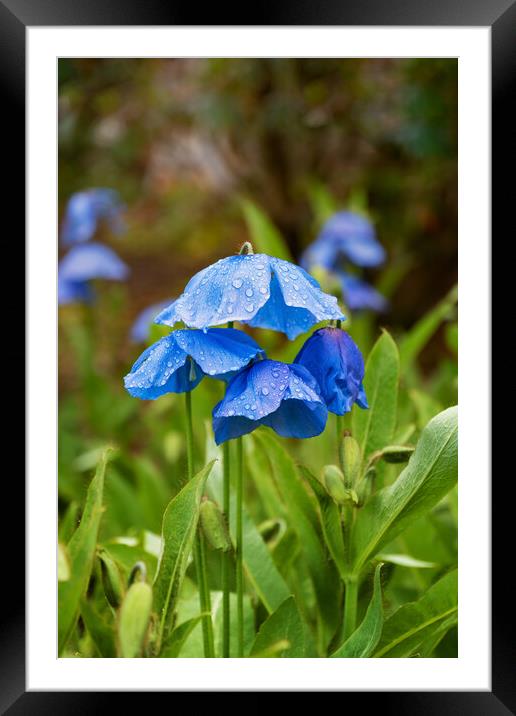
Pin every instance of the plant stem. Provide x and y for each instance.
(199, 554)
(350, 606)
(239, 550)
(226, 556)
(339, 426)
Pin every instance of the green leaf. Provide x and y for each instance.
(304, 519)
(374, 428)
(101, 631)
(413, 623)
(178, 534)
(429, 475)
(331, 524)
(285, 624)
(179, 636)
(363, 641)
(259, 566)
(133, 619)
(416, 339)
(405, 560)
(265, 237)
(81, 550)
(63, 564)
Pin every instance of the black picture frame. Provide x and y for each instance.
(500, 15)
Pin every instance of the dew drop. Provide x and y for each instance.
(249, 292)
(237, 282)
(249, 308)
(265, 391)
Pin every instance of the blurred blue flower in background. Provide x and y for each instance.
(348, 238)
(282, 396)
(179, 361)
(73, 291)
(335, 361)
(360, 295)
(140, 330)
(261, 290)
(86, 209)
(345, 237)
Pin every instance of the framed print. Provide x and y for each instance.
(247, 246)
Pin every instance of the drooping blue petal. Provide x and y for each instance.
(281, 396)
(140, 330)
(179, 361)
(84, 211)
(92, 260)
(359, 295)
(73, 292)
(220, 352)
(335, 361)
(261, 290)
(346, 236)
(162, 368)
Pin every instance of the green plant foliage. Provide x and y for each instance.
(264, 236)
(284, 625)
(429, 476)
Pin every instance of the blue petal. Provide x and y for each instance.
(359, 295)
(233, 289)
(93, 260)
(345, 236)
(257, 289)
(271, 393)
(219, 351)
(296, 301)
(72, 292)
(85, 209)
(162, 368)
(140, 329)
(337, 365)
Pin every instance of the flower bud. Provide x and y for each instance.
(134, 618)
(214, 526)
(111, 580)
(351, 458)
(333, 481)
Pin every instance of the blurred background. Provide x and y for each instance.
(207, 153)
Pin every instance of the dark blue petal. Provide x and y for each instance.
(140, 329)
(85, 209)
(337, 365)
(296, 302)
(271, 393)
(73, 292)
(359, 295)
(162, 368)
(219, 351)
(92, 260)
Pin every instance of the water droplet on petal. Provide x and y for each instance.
(237, 282)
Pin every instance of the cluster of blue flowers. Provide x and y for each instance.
(263, 292)
(348, 239)
(87, 260)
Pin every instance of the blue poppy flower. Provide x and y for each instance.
(84, 212)
(344, 237)
(73, 291)
(92, 260)
(258, 289)
(335, 361)
(284, 397)
(140, 329)
(359, 295)
(179, 361)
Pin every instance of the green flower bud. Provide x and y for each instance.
(333, 481)
(111, 580)
(133, 619)
(214, 526)
(351, 458)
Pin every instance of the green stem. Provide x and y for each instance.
(339, 427)
(239, 541)
(199, 553)
(350, 606)
(226, 556)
